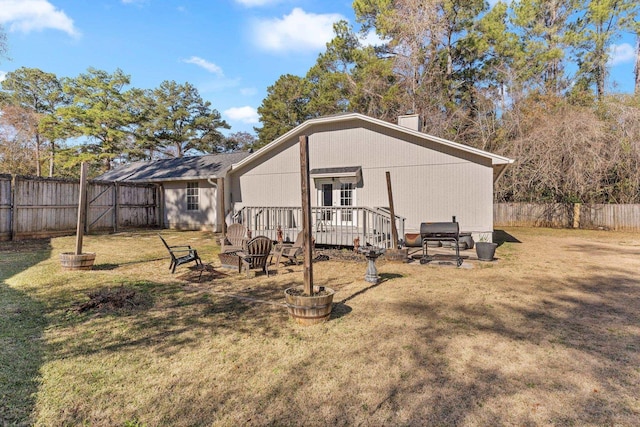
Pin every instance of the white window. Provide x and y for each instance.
(346, 199)
(192, 196)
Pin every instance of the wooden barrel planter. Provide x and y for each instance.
(309, 310)
(71, 261)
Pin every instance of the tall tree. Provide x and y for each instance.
(603, 22)
(329, 79)
(284, 108)
(41, 93)
(239, 141)
(17, 127)
(99, 112)
(547, 31)
(181, 120)
(434, 55)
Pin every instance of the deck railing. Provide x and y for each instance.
(331, 226)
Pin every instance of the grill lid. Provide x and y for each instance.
(439, 229)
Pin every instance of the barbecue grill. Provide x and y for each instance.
(439, 231)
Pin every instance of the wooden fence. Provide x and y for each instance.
(577, 215)
(45, 207)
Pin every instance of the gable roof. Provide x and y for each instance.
(499, 162)
(175, 169)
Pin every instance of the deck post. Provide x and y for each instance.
(394, 229)
(306, 214)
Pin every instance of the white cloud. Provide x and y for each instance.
(209, 66)
(242, 114)
(3, 76)
(621, 53)
(248, 91)
(253, 3)
(371, 39)
(34, 15)
(298, 31)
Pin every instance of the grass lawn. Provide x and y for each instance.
(547, 335)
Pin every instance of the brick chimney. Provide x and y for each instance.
(411, 121)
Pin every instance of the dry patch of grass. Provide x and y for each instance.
(547, 335)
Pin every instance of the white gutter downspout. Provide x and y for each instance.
(217, 226)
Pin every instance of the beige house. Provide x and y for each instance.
(432, 179)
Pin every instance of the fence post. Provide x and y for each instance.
(160, 203)
(13, 224)
(116, 197)
(576, 214)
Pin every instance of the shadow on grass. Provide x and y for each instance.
(594, 319)
(110, 266)
(339, 310)
(502, 236)
(22, 324)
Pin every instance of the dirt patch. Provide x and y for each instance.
(341, 255)
(112, 300)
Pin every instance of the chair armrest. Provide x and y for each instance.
(183, 250)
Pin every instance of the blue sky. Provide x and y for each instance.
(231, 50)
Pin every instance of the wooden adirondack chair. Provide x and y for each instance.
(289, 251)
(181, 254)
(256, 254)
(235, 239)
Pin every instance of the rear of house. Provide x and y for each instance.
(432, 179)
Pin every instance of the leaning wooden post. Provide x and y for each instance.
(394, 229)
(82, 207)
(223, 207)
(306, 214)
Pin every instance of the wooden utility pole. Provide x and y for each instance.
(82, 207)
(394, 229)
(306, 214)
